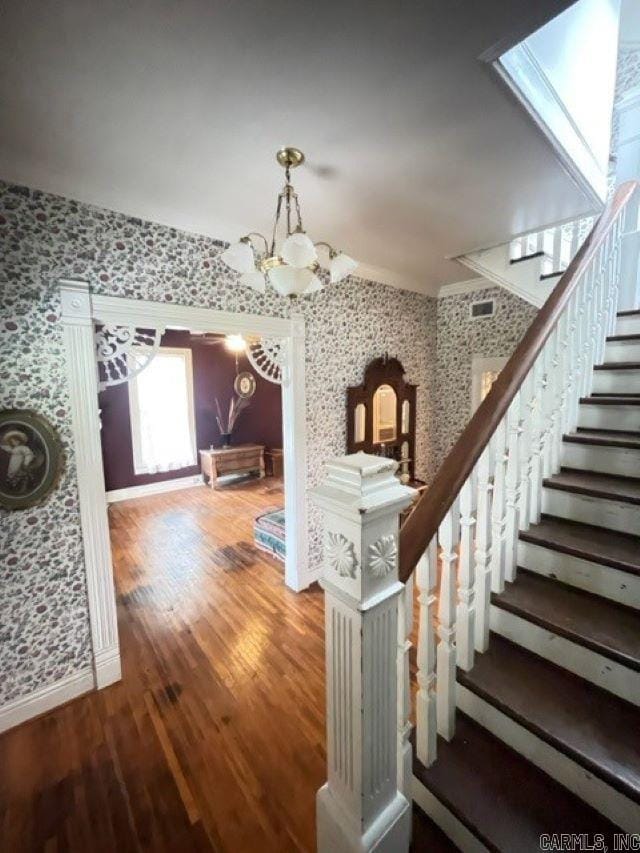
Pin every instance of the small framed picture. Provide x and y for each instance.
(245, 384)
(31, 458)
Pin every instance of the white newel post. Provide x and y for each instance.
(361, 808)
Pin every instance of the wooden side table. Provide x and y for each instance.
(242, 459)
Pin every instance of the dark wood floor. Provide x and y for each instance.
(214, 739)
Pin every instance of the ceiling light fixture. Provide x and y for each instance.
(235, 343)
(291, 266)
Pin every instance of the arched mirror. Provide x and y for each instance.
(359, 415)
(385, 405)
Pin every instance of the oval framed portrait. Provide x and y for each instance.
(245, 384)
(31, 458)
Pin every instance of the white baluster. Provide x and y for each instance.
(466, 615)
(426, 725)
(548, 400)
(498, 520)
(556, 380)
(537, 437)
(512, 488)
(405, 624)
(483, 551)
(527, 397)
(446, 651)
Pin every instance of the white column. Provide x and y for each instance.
(82, 372)
(360, 807)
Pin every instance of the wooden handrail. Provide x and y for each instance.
(432, 507)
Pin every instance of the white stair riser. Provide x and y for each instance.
(618, 808)
(592, 666)
(616, 382)
(607, 460)
(628, 325)
(622, 351)
(606, 581)
(601, 512)
(609, 417)
(445, 819)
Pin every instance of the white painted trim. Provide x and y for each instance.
(390, 278)
(526, 78)
(45, 698)
(538, 298)
(82, 374)
(144, 491)
(592, 666)
(605, 581)
(445, 819)
(134, 413)
(469, 286)
(605, 799)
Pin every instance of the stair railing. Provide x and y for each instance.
(557, 245)
(462, 536)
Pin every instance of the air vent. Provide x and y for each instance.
(481, 309)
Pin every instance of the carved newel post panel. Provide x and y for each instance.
(360, 808)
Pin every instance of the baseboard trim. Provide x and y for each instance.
(46, 698)
(107, 666)
(154, 488)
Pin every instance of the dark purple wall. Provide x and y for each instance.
(214, 370)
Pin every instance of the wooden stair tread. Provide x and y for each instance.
(427, 835)
(630, 313)
(627, 337)
(593, 727)
(618, 365)
(604, 438)
(610, 400)
(595, 484)
(501, 797)
(597, 544)
(608, 628)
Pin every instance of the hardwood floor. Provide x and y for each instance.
(214, 739)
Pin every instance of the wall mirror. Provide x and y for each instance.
(381, 414)
(385, 406)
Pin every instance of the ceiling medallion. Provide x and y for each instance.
(290, 265)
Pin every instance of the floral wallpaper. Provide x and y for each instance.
(44, 630)
(459, 339)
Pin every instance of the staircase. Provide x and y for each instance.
(530, 671)
(522, 559)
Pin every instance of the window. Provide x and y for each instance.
(162, 419)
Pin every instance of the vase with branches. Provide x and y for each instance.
(237, 405)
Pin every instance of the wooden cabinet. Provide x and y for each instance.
(221, 461)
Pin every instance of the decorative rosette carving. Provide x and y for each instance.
(382, 555)
(341, 555)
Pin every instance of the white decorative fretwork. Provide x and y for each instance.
(268, 357)
(341, 555)
(123, 352)
(382, 556)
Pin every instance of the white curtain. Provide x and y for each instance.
(162, 418)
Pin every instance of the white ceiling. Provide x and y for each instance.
(173, 111)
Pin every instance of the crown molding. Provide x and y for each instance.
(470, 285)
(391, 279)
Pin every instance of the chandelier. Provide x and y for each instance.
(290, 266)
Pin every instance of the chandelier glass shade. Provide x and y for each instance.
(289, 265)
